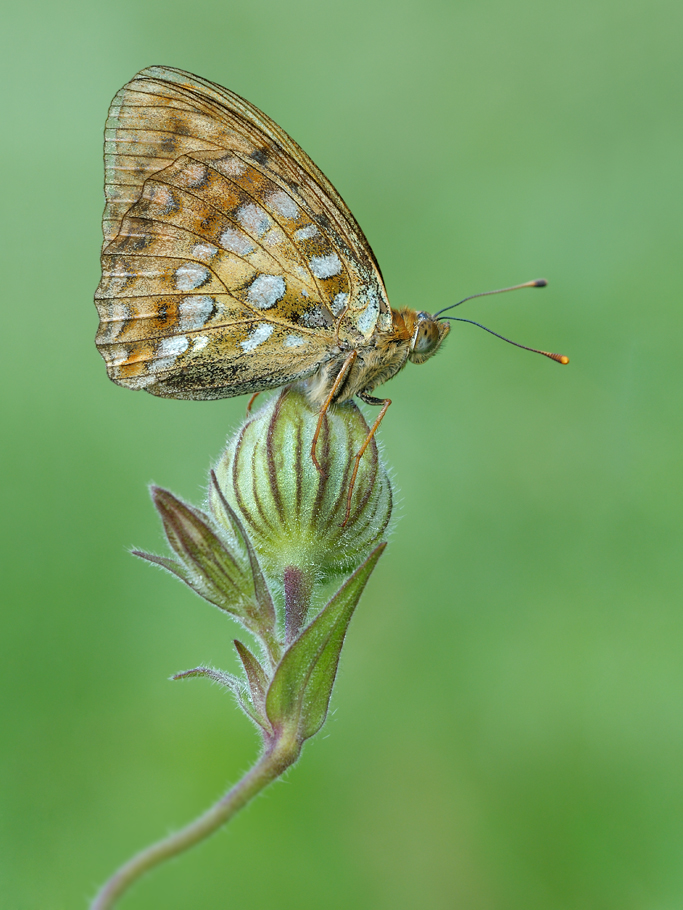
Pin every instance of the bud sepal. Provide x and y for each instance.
(295, 515)
(229, 578)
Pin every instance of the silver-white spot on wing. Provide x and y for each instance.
(163, 197)
(193, 175)
(274, 236)
(339, 303)
(266, 290)
(257, 336)
(367, 319)
(253, 218)
(326, 266)
(194, 311)
(284, 205)
(305, 233)
(230, 166)
(199, 342)
(293, 341)
(168, 350)
(204, 251)
(236, 242)
(191, 275)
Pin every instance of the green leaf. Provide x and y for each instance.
(179, 570)
(299, 695)
(235, 685)
(215, 573)
(227, 680)
(256, 677)
(165, 562)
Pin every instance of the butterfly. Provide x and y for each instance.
(230, 263)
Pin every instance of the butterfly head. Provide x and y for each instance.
(428, 333)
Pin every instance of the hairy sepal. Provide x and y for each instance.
(206, 565)
(266, 607)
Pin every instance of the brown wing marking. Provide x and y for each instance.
(165, 113)
(202, 90)
(244, 355)
(130, 269)
(170, 198)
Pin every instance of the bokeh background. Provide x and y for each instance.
(508, 726)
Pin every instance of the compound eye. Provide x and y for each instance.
(426, 337)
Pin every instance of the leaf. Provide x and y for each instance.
(213, 571)
(299, 695)
(255, 676)
(227, 680)
(165, 562)
(235, 685)
(179, 570)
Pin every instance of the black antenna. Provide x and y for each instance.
(538, 283)
(558, 358)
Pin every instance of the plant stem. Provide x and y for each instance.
(298, 588)
(273, 646)
(274, 761)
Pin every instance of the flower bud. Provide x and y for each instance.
(294, 514)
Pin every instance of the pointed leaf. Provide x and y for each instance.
(299, 695)
(218, 676)
(256, 676)
(179, 570)
(261, 589)
(319, 689)
(224, 582)
(165, 562)
(235, 685)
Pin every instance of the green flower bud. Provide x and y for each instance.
(294, 514)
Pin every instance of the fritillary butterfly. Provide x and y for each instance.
(231, 264)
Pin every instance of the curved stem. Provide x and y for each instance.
(275, 760)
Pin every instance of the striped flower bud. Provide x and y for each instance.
(294, 514)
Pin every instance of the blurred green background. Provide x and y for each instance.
(508, 726)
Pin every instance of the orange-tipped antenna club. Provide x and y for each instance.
(558, 358)
(536, 283)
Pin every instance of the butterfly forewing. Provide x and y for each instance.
(230, 263)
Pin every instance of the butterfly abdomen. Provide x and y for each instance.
(377, 361)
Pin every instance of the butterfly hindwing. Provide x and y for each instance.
(229, 264)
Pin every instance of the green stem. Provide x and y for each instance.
(277, 758)
(273, 646)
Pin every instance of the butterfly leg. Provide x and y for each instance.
(341, 376)
(251, 402)
(368, 399)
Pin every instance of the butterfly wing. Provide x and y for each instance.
(230, 264)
